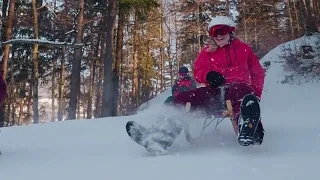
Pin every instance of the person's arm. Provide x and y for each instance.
(203, 65)
(174, 87)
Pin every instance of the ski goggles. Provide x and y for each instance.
(220, 30)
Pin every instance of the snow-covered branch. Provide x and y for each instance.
(73, 30)
(40, 41)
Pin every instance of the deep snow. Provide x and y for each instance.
(100, 149)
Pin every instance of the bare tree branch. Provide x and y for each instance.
(39, 41)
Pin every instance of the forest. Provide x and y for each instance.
(84, 59)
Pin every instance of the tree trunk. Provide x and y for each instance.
(314, 7)
(135, 64)
(29, 104)
(78, 105)
(11, 108)
(29, 99)
(118, 58)
(109, 19)
(92, 74)
(61, 86)
(4, 9)
(147, 77)
(291, 20)
(255, 34)
(35, 63)
(21, 110)
(297, 17)
(54, 67)
(317, 8)
(121, 85)
(53, 79)
(89, 106)
(7, 29)
(245, 23)
(82, 99)
(176, 39)
(308, 19)
(76, 65)
(99, 63)
(161, 58)
(99, 94)
(6, 116)
(169, 55)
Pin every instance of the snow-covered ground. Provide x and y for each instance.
(100, 149)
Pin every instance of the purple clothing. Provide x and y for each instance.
(3, 87)
(212, 100)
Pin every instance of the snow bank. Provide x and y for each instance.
(275, 71)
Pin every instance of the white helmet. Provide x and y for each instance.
(221, 20)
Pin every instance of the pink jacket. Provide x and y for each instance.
(235, 61)
(184, 84)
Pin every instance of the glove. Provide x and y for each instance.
(215, 79)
